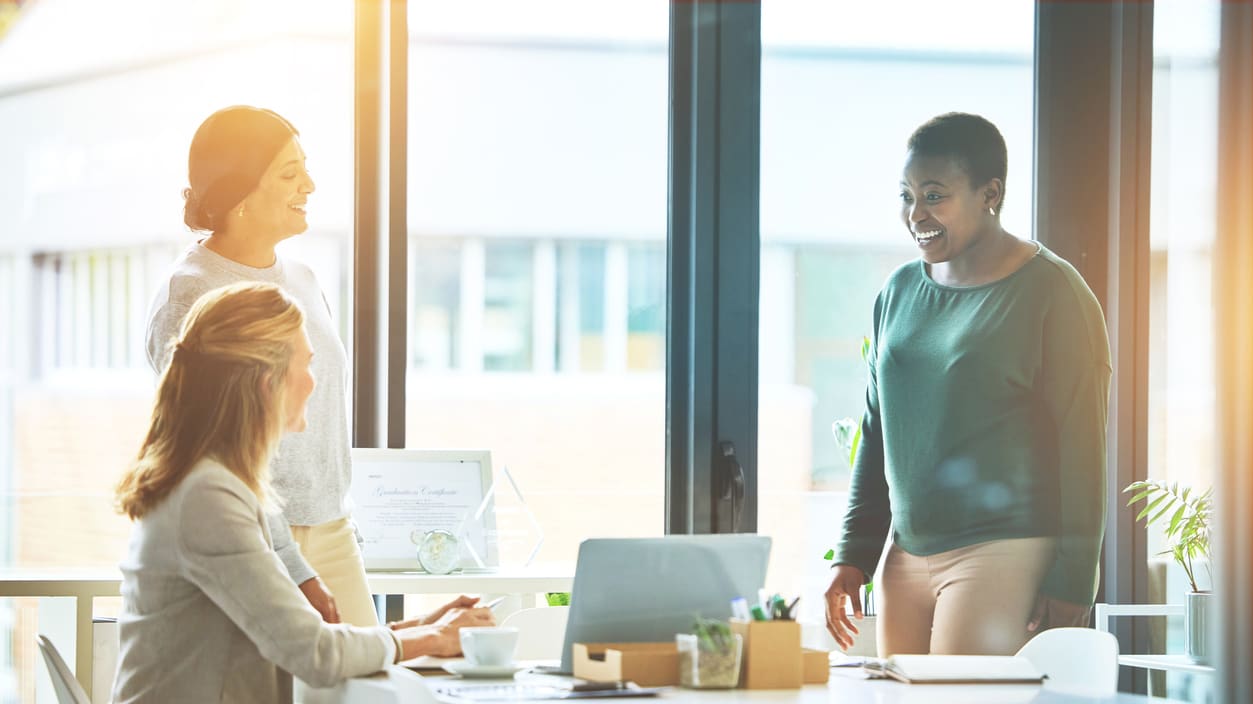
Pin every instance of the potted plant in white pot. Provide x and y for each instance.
(1186, 517)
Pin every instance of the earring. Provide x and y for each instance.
(240, 212)
(990, 211)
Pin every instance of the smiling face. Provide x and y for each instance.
(298, 385)
(945, 213)
(277, 204)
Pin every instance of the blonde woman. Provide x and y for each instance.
(209, 612)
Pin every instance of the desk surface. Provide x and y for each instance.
(842, 689)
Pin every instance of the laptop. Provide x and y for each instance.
(648, 589)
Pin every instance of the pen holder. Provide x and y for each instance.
(706, 669)
(772, 654)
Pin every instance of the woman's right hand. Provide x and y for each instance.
(443, 637)
(846, 584)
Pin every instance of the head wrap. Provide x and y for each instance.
(230, 152)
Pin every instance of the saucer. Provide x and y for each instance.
(467, 669)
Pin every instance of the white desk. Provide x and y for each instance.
(399, 686)
(84, 586)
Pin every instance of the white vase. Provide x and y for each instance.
(1198, 621)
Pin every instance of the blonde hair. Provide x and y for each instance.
(221, 395)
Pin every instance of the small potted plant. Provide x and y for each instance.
(1186, 517)
(709, 656)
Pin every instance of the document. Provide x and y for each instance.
(959, 669)
(399, 495)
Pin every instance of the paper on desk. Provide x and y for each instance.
(427, 662)
(838, 659)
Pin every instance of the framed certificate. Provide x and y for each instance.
(400, 494)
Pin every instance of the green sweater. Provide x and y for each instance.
(985, 420)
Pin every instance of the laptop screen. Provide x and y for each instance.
(635, 590)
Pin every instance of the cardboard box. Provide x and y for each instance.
(772, 654)
(815, 666)
(646, 664)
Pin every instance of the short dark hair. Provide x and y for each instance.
(970, 140)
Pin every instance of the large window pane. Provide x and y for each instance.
(98, 105)
(537, 216)
(843, 86)
(1181, 324)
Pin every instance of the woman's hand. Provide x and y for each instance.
(461, 602)
(1055, 613)
(443, 637)
(320, 598)
(846, 584)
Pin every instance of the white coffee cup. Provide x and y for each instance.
(489, 646)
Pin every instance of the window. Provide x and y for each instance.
(843, 86)
(537, 219)
(1181, 398)
(98, 113)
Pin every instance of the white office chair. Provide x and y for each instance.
(1081, 661)
(541, 631)
(68, 690)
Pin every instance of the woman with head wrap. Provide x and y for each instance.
(248, 191)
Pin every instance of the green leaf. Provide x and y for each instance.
(865, 349)
(852, 451)
(1137, 497)
(830, 555)
(1152, 505)
(1176, 519)
(1162, 511)
(558, 598)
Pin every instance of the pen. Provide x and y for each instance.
(494, 603)
(789, 611)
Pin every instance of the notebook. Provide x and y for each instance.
(959, 669)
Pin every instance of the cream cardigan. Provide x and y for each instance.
(210, 614)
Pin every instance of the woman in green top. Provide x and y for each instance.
(983, 441)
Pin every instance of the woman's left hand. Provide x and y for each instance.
(461, 602)
(1055, 613)
(320, 598)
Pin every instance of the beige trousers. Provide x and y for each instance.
(331, 550)
(974, 600)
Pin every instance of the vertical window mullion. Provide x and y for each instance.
(1233, 254)
(1094, 64)
(714, 250)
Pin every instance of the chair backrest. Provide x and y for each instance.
(541, 631)
(1081, 661)
(68, 690)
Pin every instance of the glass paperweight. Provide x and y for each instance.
(522, 534)
(438, 551)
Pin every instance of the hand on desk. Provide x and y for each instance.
(461, 602)
(320, 598)
(1055, 613)
(846, 583)
(439, 632)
